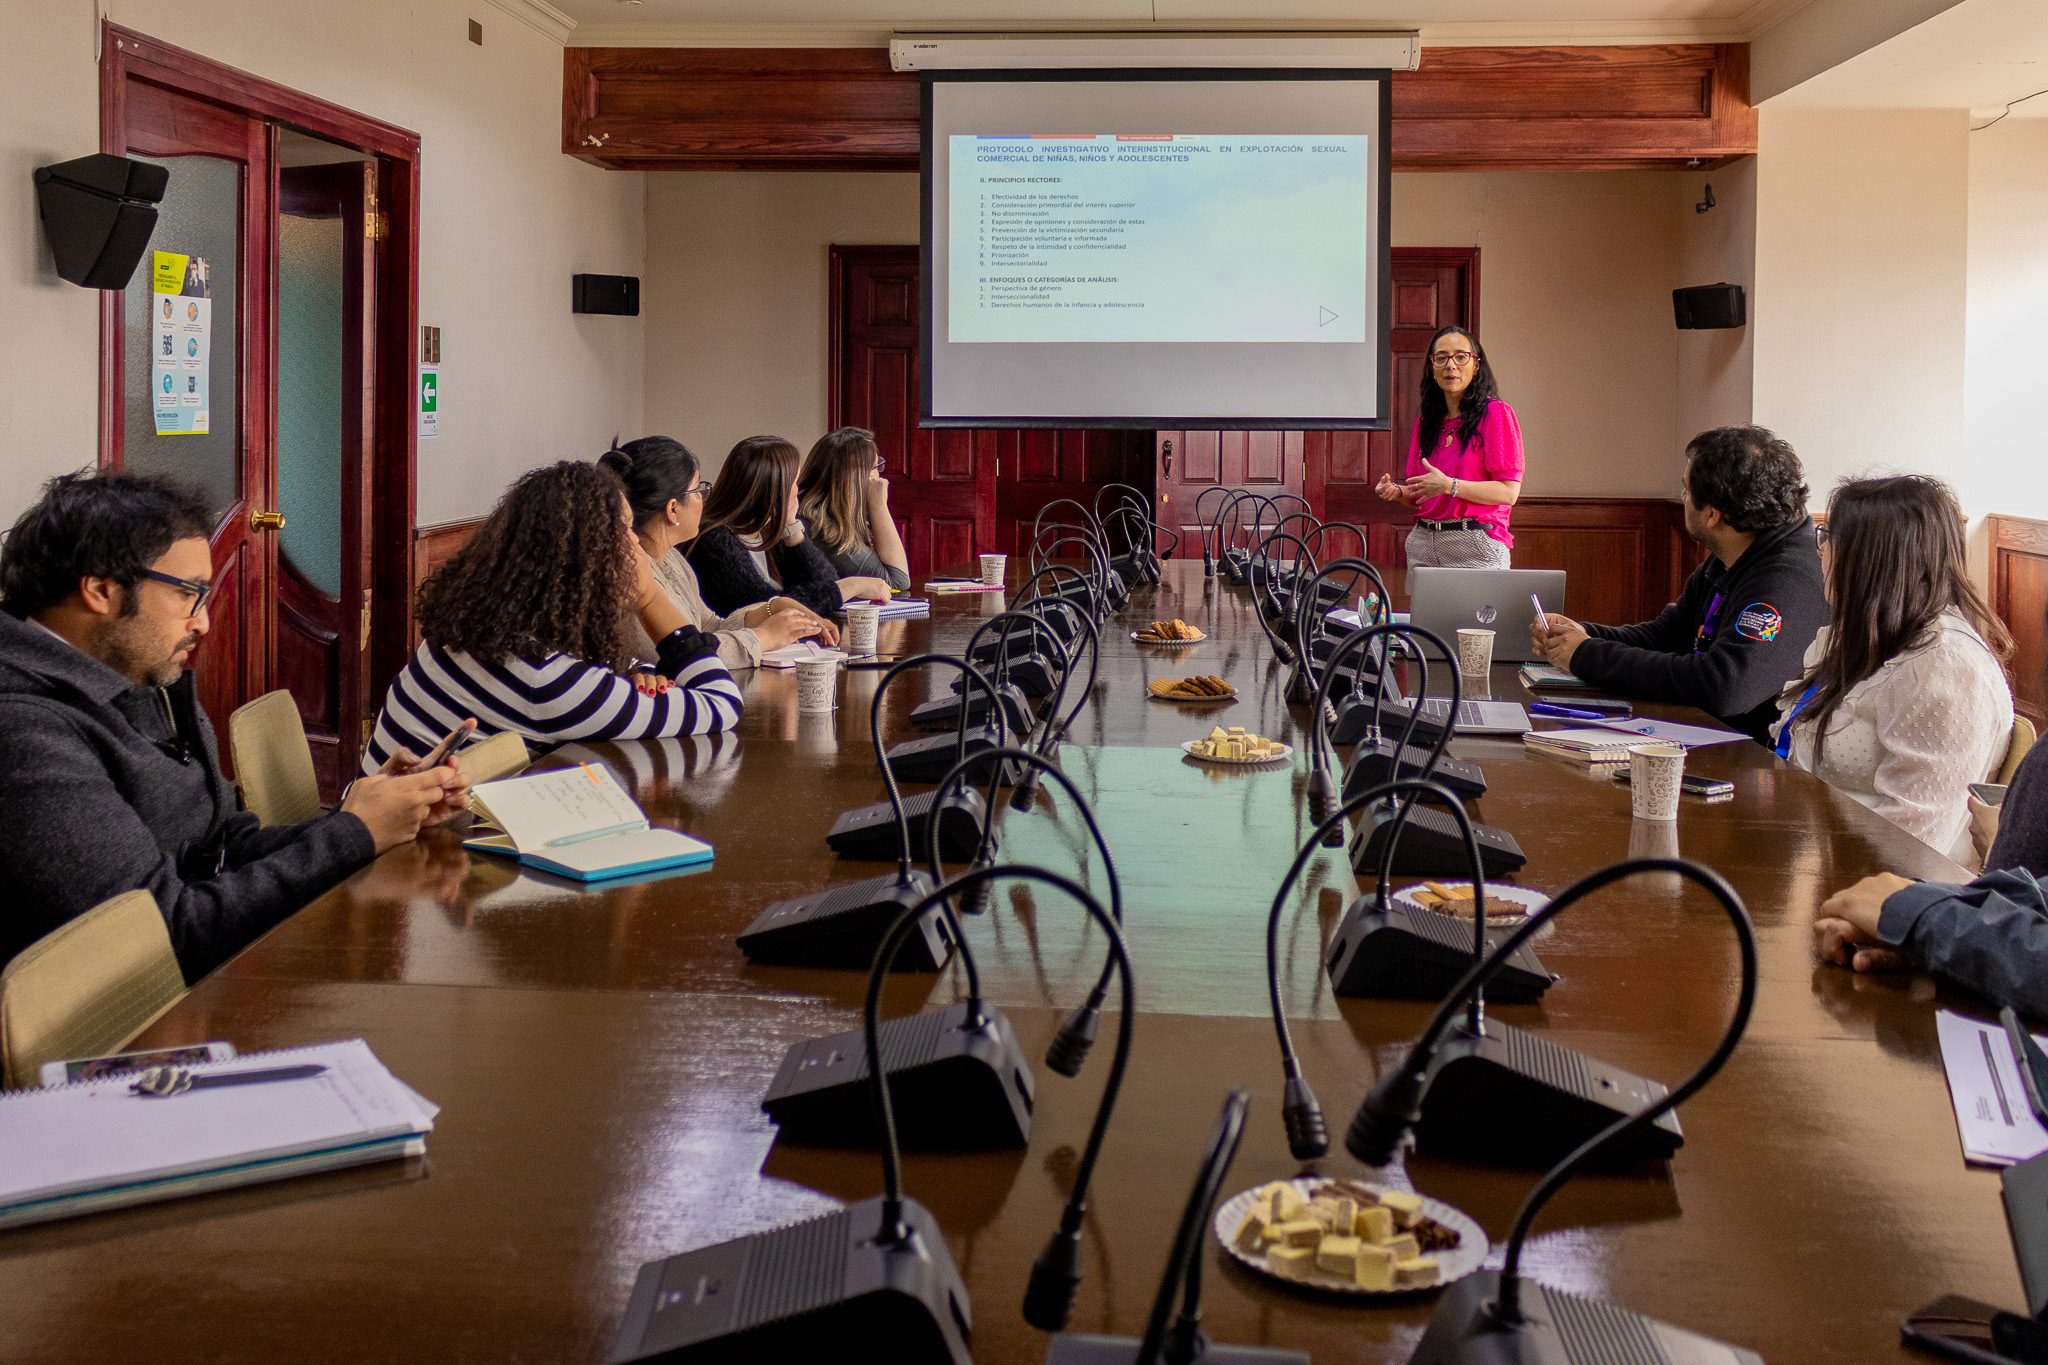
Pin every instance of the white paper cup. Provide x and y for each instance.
(992, 569)
(1654, 774)
(862, 625)
(1475, 653)
(817, 684)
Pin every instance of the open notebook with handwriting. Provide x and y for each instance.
(578, 822)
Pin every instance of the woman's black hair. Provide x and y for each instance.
(1436, 409)
(89, 525)
(656, 470)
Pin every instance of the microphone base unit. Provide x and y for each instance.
(1032, 674)
(1431, 844)
(931, 758)
(1084, 1348)
(821, 1289)
(1515, 1098)
(843, 927)
(954, 1088)
(1410, 954)
(1354, 717)
(870, 834)
(1557, 1326)
(1020, 642)
(943, 713)
(1373, 765)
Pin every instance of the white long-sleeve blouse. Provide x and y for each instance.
(1908, 740)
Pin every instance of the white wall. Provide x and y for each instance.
(1715, 382)
(1576, 273)
(1859, 314)
(505, 220)
(2006, 345)
(1821, 34)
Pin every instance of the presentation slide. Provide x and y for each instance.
(1163, 249)
(1089, 237)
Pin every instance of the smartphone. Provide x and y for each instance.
(1956, 1328)
(114, 1064)
(2031, 1061)
(449, 743)
(1990, 793)
(1692, 782)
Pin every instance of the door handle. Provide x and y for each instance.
(1166, 455)
(266, 521)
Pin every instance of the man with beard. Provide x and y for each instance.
(1739, 631)
(109, 773)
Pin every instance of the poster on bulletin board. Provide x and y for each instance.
(181, 316)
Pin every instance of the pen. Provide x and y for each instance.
(1542, 618)
(1544, 708)
(162, 1082)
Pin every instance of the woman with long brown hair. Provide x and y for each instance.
(751, 530)
(524, 628)
(1904, 702)
(844, 502)
(1464, 461)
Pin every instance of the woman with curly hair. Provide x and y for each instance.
(844, 502)
(525, 629)
(751, 530)
(1464, 461)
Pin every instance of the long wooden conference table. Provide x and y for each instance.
(599, 1056)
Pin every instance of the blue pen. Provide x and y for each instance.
(1543, 708)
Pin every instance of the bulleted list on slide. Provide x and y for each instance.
(1158, 237)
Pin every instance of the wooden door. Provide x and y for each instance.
(1038, 468)
(1185, 463)
(326, 408)
(1433, 287)
(218, 207)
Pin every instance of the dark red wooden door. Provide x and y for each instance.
(1185, 463)
(1433, 287)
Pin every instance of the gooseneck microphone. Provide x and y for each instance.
(1467, 1327)
(1024, 790)
(862, 832)
(1300, 1111)
(1076, 1034)
(1322, 791)
(1209, 530)
(1267, 595)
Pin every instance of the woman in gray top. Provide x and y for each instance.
(667, 497)
(844, 502)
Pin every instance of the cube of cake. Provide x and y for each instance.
(1403, 1245)
(1292, 1262)
(1374, 1224)
(1339, 1256)
(1283, 1205)
(1407, 1207)
(1304, 1232)
(1372, 1267)
(1251, 1233)
(1417, 1272)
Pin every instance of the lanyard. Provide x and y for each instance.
(1707, 624)
(1784, 744)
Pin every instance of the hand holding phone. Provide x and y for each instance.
(451, 741)
(1990, 793)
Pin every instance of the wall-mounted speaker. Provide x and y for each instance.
(1706, 306)
(615, 294)
(98, 212)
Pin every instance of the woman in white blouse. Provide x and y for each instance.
(1904, 702)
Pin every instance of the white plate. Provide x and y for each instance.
(1454, 1264)
(1138, 639)
(1286, 751)
(1527, 900)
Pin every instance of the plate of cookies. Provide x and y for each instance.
(1198, 687)
(1236, 746)
(1348, 1237)
(1174, 632)
(1503, 902)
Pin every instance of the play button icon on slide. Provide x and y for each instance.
(1324, 317)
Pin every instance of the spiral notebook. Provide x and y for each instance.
(578, 822)
(95, 1145)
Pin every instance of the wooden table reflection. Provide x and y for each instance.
(600, 1054)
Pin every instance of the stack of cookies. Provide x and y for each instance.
(1172, 632)
(1201, 687)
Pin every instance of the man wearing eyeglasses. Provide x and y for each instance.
(109, 772)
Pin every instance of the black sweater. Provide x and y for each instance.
(1770, 606)
(105, 788)
(728, 579)
(2023, 820)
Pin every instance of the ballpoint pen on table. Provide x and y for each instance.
(162, 1082)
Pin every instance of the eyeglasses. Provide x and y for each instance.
(199, 592)
(881, 465)
(1820, 535)
(699, 489)
(1442, 358)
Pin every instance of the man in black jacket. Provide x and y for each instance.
(109, 775)
(1739, 631)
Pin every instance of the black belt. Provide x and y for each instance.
(1457, 524)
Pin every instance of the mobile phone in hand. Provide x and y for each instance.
(1990, 793)
(448, 745)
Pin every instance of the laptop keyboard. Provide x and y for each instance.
(1468, 711)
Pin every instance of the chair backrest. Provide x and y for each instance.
(499, 756)
(88, 987)
(2022, 740)
(273, 762)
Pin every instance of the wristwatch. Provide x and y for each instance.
(794, 533)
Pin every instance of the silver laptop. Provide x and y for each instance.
(1447, 601)
(1474, 717)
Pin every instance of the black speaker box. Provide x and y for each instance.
(943, 713)
(1707, 306)
(1556, 1326)
(98, 213)
(824, 1289)
(1373, 765)
(952, 1088)
(618, 295)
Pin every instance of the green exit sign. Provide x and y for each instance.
(430, 402)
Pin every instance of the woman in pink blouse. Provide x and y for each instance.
(1464, 462)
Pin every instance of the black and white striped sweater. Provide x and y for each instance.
(559, 698)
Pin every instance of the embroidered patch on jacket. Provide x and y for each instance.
(1759, 621)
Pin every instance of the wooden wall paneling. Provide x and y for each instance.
(1466, 108)
(1616, 553)
(2019, 595)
